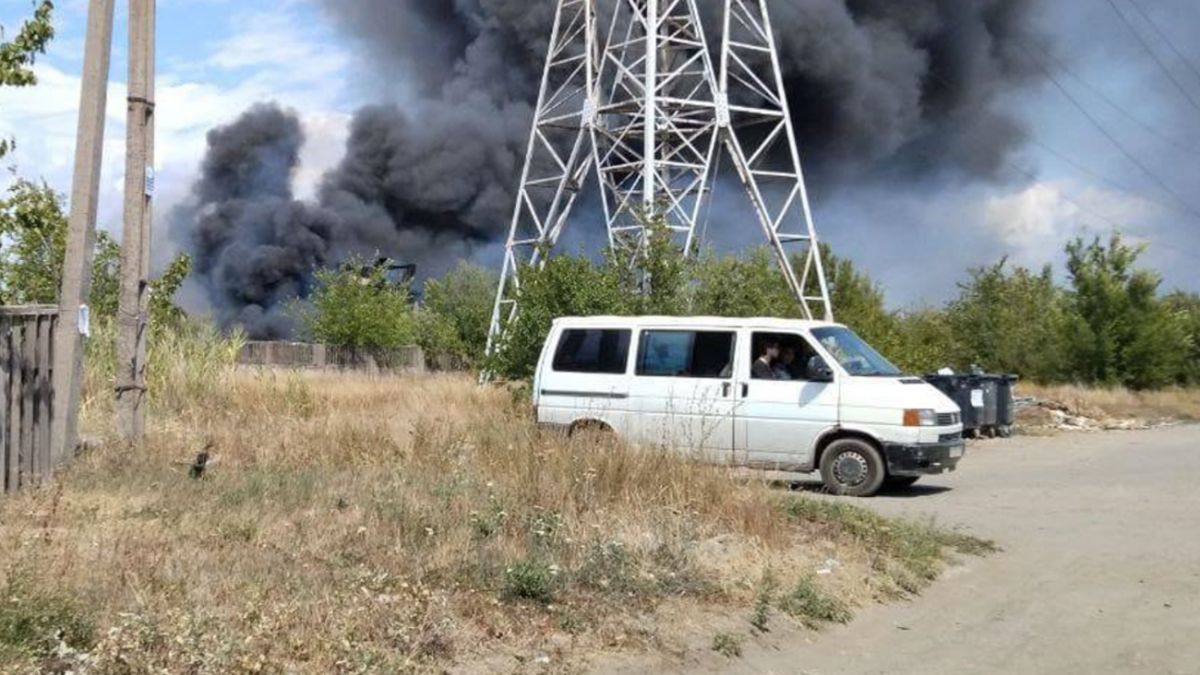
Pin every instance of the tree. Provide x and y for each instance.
(164, 313)
(457, 312)
(1121, 332)
(34, 229)
(17, 56)
(565, 285)
(1185, 309)
(746, 285)
(348, 308)
(1010, 321)
(858, 302)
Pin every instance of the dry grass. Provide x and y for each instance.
(1167, 405)
(356, 524)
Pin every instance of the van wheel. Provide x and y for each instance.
(591, 431)
(852, 467)
(901, 481)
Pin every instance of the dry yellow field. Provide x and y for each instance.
(1167, 405)
(352, 524)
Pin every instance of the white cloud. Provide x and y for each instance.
(1034, 223)
(271, 57)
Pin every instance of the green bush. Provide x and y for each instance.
(458, 312)
(529, 580)
(356, 306)
(33, 623)
(1120, 331)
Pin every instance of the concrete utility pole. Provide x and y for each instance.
(77, 264)
(132, 315)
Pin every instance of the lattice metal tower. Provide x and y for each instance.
(630, 94)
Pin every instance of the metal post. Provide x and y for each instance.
(77, 263)
(132, 315)
(650, 110)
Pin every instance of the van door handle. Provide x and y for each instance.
(725, 390)
(745, 389)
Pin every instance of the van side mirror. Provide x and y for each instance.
(818, 371)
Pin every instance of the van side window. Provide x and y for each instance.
(667, 353)
(593, 351)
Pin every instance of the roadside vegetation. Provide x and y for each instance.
(346, 523)
(1109, 327)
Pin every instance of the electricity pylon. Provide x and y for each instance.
(630, 93)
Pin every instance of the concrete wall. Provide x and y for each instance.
(304, 355)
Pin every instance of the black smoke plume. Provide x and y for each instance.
(877, 87)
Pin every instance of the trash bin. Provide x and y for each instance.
(966, 392)
(990, 413)
(1006, 405)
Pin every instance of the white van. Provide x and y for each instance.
(765, 393)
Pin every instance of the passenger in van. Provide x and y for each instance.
(764, 365)
(783, 367)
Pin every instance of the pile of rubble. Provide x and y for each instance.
(1035, 413)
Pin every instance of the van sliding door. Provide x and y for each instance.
(682, 389)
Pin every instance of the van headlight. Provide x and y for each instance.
(920, 418)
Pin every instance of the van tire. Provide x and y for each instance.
(852, 467)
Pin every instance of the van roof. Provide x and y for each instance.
(770, 323)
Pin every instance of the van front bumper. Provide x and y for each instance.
(922, 459)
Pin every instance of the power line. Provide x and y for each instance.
(1165, 38)
(1178, 144)
(1081, 167)
(1154, 55)
(1113, 139)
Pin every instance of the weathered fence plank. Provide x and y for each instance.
(8, 458)
(26, 392)
(45, 393)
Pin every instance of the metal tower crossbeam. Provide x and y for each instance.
(635, 99)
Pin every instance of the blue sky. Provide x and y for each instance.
(217, 57)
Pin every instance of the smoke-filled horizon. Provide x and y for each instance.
(876, 86)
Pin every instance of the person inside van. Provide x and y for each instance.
(783, 367)
(764, 365)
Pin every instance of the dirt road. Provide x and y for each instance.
(1100, 571)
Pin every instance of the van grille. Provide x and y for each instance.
(947, 419)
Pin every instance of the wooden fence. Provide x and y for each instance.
(27, 398)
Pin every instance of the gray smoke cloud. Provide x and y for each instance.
(871, 82)
(878, 87)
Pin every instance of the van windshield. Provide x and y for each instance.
(855, 355)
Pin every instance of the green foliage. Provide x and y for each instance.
(17, 55)
(529, 580)
(1120, 331)
(458, 312)
(859, 302)
(813, 606)
(106, 277)
(32, 623)
(164, 313)
(564, 286)
(727, 645)
(749, 285)
(1110, 327)
(362, 311)
(1185, 310)
(34, 228)
(1011, 321)
(32, 222)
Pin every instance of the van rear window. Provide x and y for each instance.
(593, 351)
